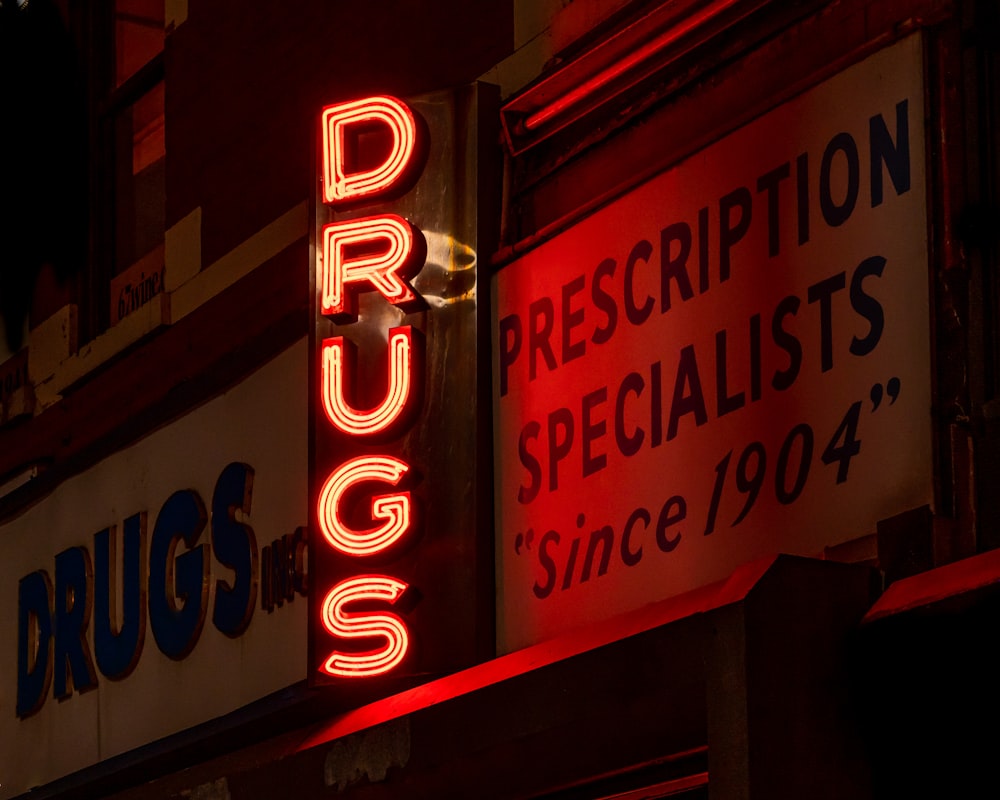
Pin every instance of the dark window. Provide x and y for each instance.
(128, 154)
(139, 178)
(43, 134)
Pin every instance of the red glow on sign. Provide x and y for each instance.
(334, 371)
(339, 184)
(380, 251)
(365, 625)
(393, 508)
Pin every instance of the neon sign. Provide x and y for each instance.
(370, 254)
(339, 123)
(362, 626)
(338, 357)
(398, 255)
(401, 554)
(393, 508)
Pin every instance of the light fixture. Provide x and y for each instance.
(615, 65)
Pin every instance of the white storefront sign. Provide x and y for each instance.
(155, 591)
(731, 360)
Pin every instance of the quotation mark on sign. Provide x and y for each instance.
(891, 389)
(524, 539)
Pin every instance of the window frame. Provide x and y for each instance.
(106, 102)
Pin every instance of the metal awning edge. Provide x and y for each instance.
(951, 580)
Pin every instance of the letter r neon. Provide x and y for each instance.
(382, 252)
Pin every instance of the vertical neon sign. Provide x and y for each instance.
(371, 254)
(401, 555)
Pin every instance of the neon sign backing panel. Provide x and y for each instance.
(400, 566)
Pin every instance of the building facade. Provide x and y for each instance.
(585, 398)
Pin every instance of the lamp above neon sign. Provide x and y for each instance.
(375, 253)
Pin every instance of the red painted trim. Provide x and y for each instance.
(951, 580)
(584, 92)
(734, 589)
